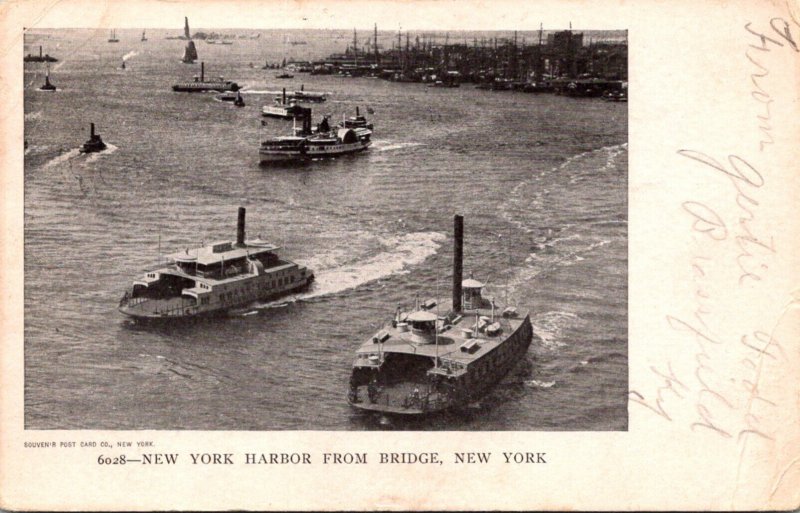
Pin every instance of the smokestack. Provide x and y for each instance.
(283, 97)
(356, 110)
(458, 257)
(92, 130)
(202, 71)
(40, 52)
(240, 228)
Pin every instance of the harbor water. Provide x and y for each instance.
(540, 179)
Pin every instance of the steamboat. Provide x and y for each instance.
(307, 96)
(47, 86)
(95, 142)
(39, 58)
(282, 108)
(317, 143)
(424, 362)
(200, 84)
(214, 279)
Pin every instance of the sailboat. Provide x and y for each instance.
(113, 37)
(144, 37)
(190, 52)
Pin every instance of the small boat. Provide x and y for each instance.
(94, 144)
(39, 58)
(307, 143)
(200, 84)
(48, 86)
(113, 37)
(284, 75)
(214, 279)
(615, 96)
(144, 37)
(235, 99)
(357, 121)
(424, 362)
(282, 108)
(189, 53)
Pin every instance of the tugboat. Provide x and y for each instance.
(357, 121)
(235, 99)
(94, 144)
(39, 58)
(321, 142)
(281, 108)
(201, 85)
(423, 362)
(214, 279)
(48, 86)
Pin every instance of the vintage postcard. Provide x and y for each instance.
(417, 255)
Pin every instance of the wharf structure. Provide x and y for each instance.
(558, 58)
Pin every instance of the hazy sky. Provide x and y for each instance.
(333, 14)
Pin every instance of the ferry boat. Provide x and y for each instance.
(307, 144)
(47, 86)
(214, 279)
(282, 108)
(425, 362)
(200, 84)
(307, 96)
(94, 144)
(39, 58)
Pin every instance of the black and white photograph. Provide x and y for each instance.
(399, 255)
(325, 229)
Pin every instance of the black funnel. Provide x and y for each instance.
(240, 228)
(92, 130)
(458, 257)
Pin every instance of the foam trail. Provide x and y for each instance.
(130, 54)
(64, 157)
(539, 384)
(400, 253)
(93, 157)
(389, 146)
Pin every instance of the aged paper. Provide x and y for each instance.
(709, 419)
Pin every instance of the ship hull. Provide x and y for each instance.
(311, 152)
(193, 311)
(468, 392)
(201, 87)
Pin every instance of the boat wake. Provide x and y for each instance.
(397, 255)
(94, 157)
(533, 383)
(61, 159)
(550, 325)
(390, 146)
(130, 54)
